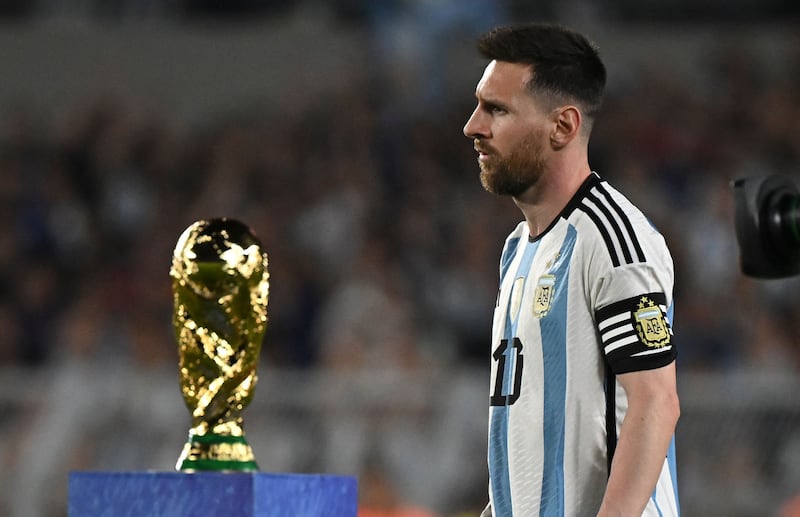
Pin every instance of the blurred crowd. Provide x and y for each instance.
(383, 247)
(381, 244)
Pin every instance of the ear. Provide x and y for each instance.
(568, 121)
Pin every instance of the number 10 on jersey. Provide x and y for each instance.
(508, 377)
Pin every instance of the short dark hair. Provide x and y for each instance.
(566, 65)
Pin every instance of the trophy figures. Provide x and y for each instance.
(220, 285)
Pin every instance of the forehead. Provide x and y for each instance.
(503, 80)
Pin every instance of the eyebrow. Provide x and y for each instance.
(492, 103)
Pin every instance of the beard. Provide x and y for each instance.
(512, 175)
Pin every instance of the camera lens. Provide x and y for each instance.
(767, 221)
(783, 222)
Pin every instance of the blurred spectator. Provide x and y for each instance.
(378, 497)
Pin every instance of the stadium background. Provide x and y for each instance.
(334, 130)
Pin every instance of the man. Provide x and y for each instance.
(583, 400)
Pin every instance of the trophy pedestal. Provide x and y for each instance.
(178, 494)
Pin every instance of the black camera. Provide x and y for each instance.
(767, 224)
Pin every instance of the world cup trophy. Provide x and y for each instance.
(220, 286)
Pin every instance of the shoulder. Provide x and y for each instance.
(613, 226)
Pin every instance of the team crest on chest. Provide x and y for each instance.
(543, 296)
(650, 324)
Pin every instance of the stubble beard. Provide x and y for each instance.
(517, 173)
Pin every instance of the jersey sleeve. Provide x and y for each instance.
(633, 311)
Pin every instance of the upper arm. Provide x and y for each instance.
(654, 389)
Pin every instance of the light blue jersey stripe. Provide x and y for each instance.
(671, 462)
(498, 461)
(498, 437)
(554, 358)
(671, 457)
(673, 472)
(508, 257)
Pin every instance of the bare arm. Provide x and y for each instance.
(645, 435)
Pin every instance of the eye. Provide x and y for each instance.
(495, 109)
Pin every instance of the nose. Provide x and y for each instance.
(476, 126)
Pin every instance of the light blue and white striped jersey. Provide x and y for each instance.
(589, 298)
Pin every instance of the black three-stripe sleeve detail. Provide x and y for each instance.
(624, 238)
(625, 220)
(614, 226)
(603, 232)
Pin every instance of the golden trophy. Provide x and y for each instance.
(220, 285)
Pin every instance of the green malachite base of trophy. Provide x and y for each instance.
(217, 452)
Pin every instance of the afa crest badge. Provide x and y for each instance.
(543, 296)
(650, 324)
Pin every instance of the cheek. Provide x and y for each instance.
(514, 134)
(527, 152)
(514, 142)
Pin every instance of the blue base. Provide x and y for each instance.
(179, 494)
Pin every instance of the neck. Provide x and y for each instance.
(543, 201)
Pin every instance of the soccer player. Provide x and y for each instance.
(583, 399)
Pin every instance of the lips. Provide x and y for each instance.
(483, 153)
